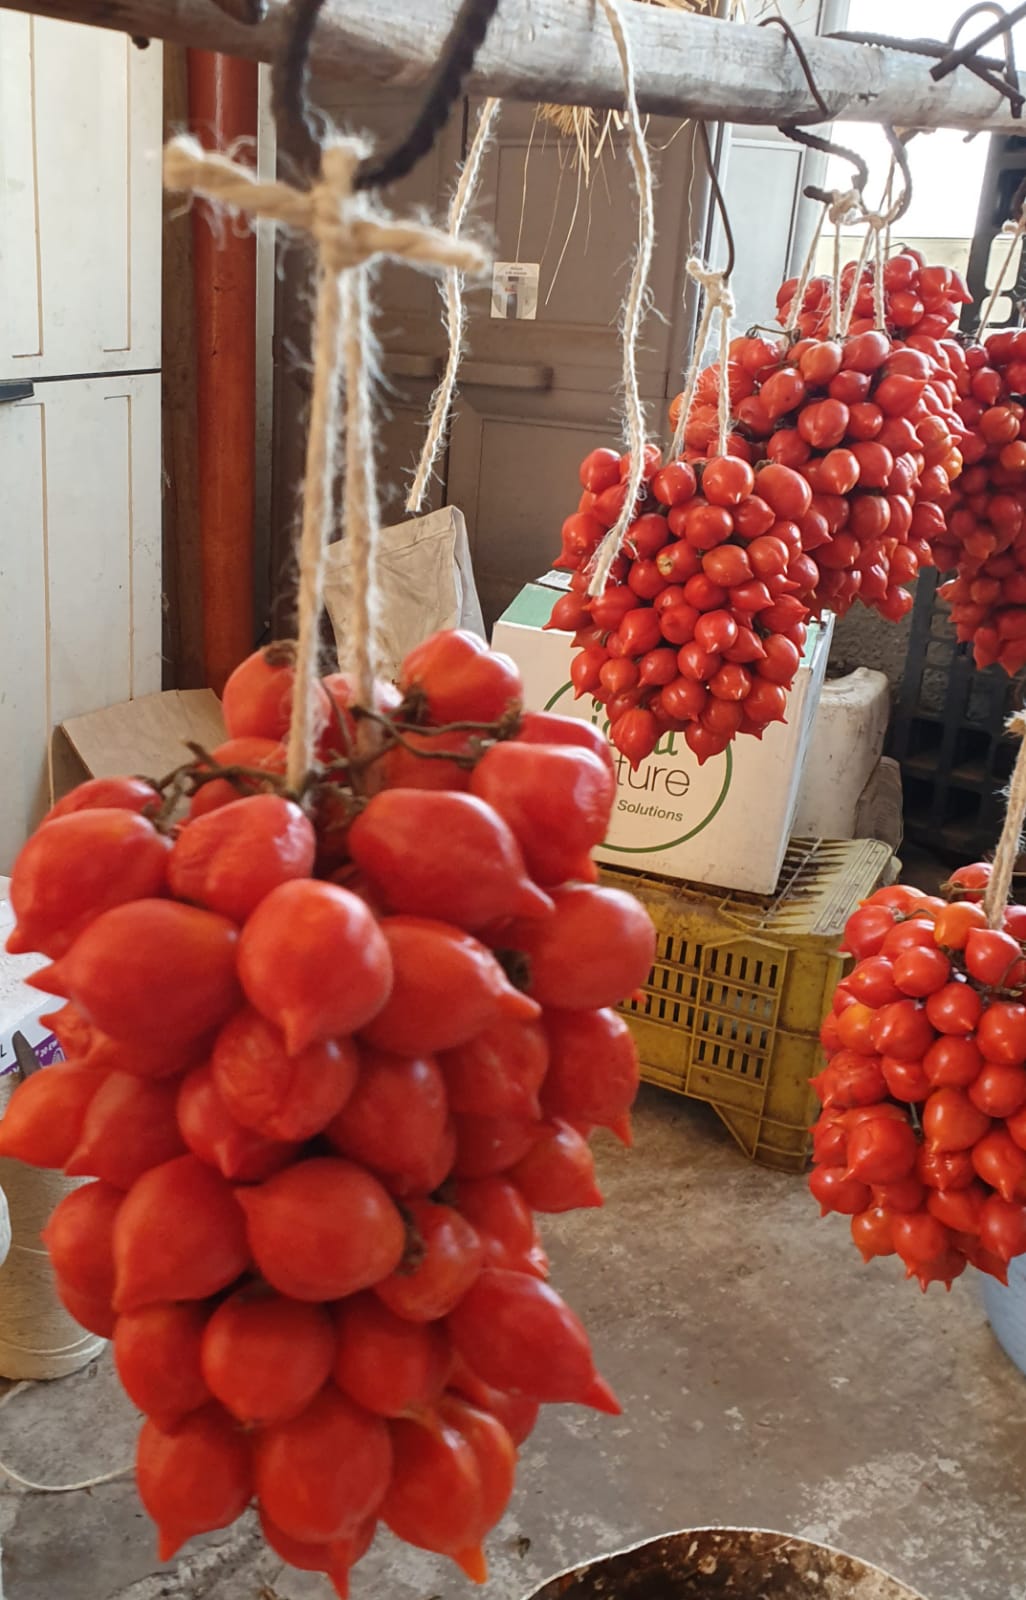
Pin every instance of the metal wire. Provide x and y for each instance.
(721, 204)
(997, 75)
(298, 132)
(803, 60)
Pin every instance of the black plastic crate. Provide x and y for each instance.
(948, 735)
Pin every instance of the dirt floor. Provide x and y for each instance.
(768, 1380)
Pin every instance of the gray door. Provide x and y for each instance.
(536, 394)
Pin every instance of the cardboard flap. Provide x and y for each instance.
(145, 736)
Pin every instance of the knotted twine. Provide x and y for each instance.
(351, 231)
(845, 207)
(635, 304)
(1010, 843)
(717, 296)
(455, 311)
(1013, 232)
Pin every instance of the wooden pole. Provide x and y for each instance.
(556, 50)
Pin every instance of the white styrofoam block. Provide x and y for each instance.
(846, 743)
(20, 1005)
(725, 823)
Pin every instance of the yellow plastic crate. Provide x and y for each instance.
(732, 1009)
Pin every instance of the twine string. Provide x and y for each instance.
(634, 306)
(1013, 232)
(350, 230)
(1010, 843)
(845, 206)
(455, 312)
(717, 296)
(806, 273)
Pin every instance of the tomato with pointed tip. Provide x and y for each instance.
(265, 1357)
(881, 1149)
(556, 801)
(194, 1477)
(558, 1172)
(228, 860)
(456, 678)
(320, 1475)
(872, 1232)
(596, 948)
(294, 943)
(77, 867)
(445, 1259)
(447, 987)
(835, 1190)
(522, 1338)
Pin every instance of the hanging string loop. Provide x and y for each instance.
(351, 230)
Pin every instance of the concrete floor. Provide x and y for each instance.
(768, 1380)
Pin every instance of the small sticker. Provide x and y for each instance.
(515, 290)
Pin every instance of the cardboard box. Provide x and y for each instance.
(725, 823)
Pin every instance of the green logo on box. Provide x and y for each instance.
(664, 748)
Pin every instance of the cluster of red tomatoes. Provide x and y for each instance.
(699, 630)
(841, 458)
(922, 1137)
(985, 542)
(918, 299)
(320, 1112)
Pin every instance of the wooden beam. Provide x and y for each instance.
(561, 50)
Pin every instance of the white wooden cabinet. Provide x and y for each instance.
(79, 571)
(80, 517)
(80, 201)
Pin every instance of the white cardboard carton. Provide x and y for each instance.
(725, 823)
(20, 1006)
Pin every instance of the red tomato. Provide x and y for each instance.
(1003, 1227)
(872, 1232)
(1001, 1032)
(265, 1357)
(837, 1191)
(865, 352)
(824, 423)
(919, 972)
(599, 470)
(783, 391)
(785, 491)
(902, 1029)
(819, 363)
(951, 1121)
(881, 1149)
(726, 481)
(952, 1062)
(866, 930)
(954, 924)
(944, 1169)
(906, 1080)
(955, 1009)
(194, 1479)
(674, 484)
(458, 679)
(999, 1090)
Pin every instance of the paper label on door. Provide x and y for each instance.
(515, 290)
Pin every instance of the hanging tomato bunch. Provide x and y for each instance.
(919, 299)
(985, 539)
(326, 1056)
(922, 1137)
(870, 420)
(840, 457)
(699, 631)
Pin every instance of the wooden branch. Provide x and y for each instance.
(560, 50)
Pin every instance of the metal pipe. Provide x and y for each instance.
(223, 110)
